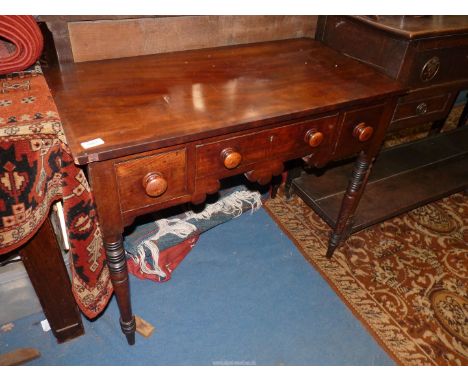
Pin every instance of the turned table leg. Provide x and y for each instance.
(116, 261)
(105, 191)
(350, 202)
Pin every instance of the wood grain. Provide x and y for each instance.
(203, 93)
(46, 269)
(413, 27)
(410, 169)
(105, 39)
(348, 143)
(143, 327)
(400, 46)
(130, 175)
(19, 356)
(410, 107)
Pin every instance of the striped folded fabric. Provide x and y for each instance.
(22, 43)
(156, 248)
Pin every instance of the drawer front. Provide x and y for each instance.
(419, 108)
(237, 154)
(228, 156)
(162, 175)
(357, 130)
(437, 66)
(314, 137)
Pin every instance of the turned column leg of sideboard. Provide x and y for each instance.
(350, 202)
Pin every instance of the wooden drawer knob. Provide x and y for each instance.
(231, 158)
(154, 184)
(314, 138)
(363, 132)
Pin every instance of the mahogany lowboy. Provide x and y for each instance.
(172, 125)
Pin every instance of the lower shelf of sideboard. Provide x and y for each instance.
(403, 178)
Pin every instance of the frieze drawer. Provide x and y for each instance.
(312, 138)
(411, 107)
(151, 179)
(358, 129)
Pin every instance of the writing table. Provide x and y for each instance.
(160, 130)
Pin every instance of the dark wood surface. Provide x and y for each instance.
(174, 124)
(414, 59)
(428, 55)
(423, 106)
(71, 18)
(412, 27)
(133, 107)
(44, 264)
(403, 178)
(89, 38)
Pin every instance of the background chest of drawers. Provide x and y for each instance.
(427, 54)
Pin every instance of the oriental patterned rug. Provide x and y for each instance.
(36, 169)
(406, 279)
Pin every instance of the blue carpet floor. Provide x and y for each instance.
(244, 295)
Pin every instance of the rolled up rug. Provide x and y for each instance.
(24, 33)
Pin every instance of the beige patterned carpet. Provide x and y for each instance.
(406, 279)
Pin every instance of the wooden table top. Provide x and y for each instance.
(148, 102)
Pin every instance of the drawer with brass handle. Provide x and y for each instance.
(416, 107)
(438, 62)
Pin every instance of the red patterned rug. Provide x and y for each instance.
(37, 169)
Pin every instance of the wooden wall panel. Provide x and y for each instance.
(104, 39)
